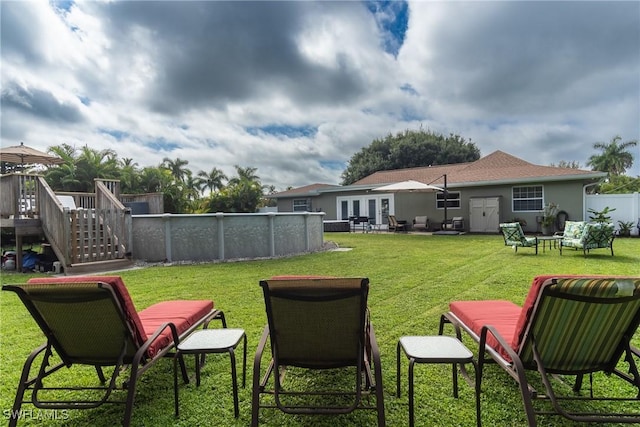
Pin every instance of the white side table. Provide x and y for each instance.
(434, 349)
(221, 340)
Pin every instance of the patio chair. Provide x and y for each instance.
(514, 237)
(421, 223)
(92, 321)
(456, 223)
(395, 225)
(568, 326)
(588, 236)
(317, 324)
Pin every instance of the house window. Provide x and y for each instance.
(453, 200)
(527, 199)
(302, 205)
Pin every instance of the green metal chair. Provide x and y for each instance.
(92, 321)
(318, 324)
(514, 236)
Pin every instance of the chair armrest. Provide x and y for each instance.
(156, 334)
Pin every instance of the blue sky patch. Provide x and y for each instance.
(162, 144)
(409, 89)
(333, 165)
(283, 130)
(117, 134)
(392, 18)
(64, 5)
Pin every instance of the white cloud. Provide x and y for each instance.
(215, 82)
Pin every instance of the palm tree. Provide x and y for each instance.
(129, 175)
(177, 167)
(212, 181)
(245, 174)
(614, 159)
(63, 177)
(92, 164)
(191, 187)
(154, 179)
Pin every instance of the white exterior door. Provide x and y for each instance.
(374, 207)
(484, 215)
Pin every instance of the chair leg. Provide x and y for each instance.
(176, 405)
(255, 392)
(398, 369)
(375, 354)
(131, 392)
(22, 386)
(411, 407)
(234, 383)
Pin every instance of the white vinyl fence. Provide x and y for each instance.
(627, 207)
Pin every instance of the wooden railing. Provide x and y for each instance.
(19, 195)
(115, 221)
(82, 200)
(98, 229)
(56, 222)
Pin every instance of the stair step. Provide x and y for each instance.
(98, 266)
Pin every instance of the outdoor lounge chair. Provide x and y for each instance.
(569, 326)
(317, 324)
(92, 321)
(514, 236)
(587, 236)
(395, 225)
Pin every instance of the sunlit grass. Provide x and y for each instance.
(413, 278)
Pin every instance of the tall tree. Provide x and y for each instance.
(614, 158)
(129, 176)
(568, 165)
(243, 193)
(245, 174)
(214, 180)
(409, 149)
(177, 168)
(92, 164)
(63, 177)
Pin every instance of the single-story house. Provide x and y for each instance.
(496, 188)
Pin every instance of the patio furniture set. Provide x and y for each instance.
(569, 326)
(422, 223)
(577, 234)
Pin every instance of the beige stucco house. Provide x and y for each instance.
(496, 188)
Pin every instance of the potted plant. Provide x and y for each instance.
(625, 228)
(549, 214)
(601, 217)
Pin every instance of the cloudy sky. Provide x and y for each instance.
(296, 88)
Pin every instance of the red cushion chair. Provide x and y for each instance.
(91, 320)
(570, 325)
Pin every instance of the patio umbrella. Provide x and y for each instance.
(417, 186)
(409, 186)
(21, 154)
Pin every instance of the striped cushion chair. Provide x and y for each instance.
(569, 325)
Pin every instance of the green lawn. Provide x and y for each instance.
(413, 277)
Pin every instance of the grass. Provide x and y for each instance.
(413, 278)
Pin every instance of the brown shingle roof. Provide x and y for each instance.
(307, 190)
(497, 166)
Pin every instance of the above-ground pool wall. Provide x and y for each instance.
(224, 236)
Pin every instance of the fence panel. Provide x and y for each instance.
(627, 206)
